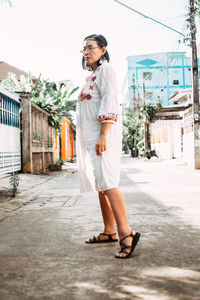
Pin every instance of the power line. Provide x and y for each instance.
(150, 18)
(175, 48)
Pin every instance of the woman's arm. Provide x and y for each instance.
(101, 142)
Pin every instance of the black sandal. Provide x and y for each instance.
(135, 240)
(95, 240)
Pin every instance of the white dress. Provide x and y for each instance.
(98, 103)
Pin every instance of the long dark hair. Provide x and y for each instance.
(101, 42)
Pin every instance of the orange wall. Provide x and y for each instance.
(67, 140)
(153, 137)
(159, 135)
(56, 146)
(165, 134)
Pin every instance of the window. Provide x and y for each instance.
(147, 76)
(175, 81)
(174, 57)
(9, 112)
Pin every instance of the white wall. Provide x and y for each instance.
(168, 138)
(188, 149)
(10, 151)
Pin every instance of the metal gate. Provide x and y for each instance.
(10, 148)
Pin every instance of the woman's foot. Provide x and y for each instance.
(128, 244)
(103, 238)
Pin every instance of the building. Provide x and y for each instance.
(189, 139)
(10, 145)
(157, 76)
(167, 132)
(172, 135)
(44, 145)
(6, 68)
(183, 97)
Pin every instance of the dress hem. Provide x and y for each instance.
(98, 190)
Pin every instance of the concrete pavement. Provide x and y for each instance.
(42, 249)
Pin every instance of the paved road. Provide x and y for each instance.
(43, 254)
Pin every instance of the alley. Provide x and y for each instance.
(43, 254)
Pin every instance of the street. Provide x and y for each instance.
(43, 254)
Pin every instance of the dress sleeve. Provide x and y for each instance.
(107, 85)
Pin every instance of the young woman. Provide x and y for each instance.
(99, 144)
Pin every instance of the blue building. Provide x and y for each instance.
(158, 76)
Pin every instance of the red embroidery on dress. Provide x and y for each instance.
(110, 117)
(85, 96)
(88, 96)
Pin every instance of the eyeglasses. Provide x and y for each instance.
(89, 48)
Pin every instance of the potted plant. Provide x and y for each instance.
(57, 166)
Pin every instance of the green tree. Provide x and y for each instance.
(135, 128)
(53, 97)
(133, 133)
(149, 113)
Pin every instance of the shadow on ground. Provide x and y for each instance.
(43, 254)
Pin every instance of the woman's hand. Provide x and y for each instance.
(101, 144)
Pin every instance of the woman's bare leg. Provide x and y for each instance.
(107, 214)
(119, 210)
(108, 217)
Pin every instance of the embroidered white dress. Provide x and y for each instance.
(98, 103)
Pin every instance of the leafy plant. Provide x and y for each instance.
(133, 133)
(14, 182)
(12, 83)
(60, 162)
(197, 7)
(134, 127)
(149, 112)
(37, 137)
(53, 97)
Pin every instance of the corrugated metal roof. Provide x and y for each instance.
(179, 95)
(9, 94)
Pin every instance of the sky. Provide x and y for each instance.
(46, 36)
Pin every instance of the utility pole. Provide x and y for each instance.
(138, 105)
(134, 97)
(144, 92)
(195, 89)
(146, 144)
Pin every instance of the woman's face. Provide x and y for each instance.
(92, 53)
